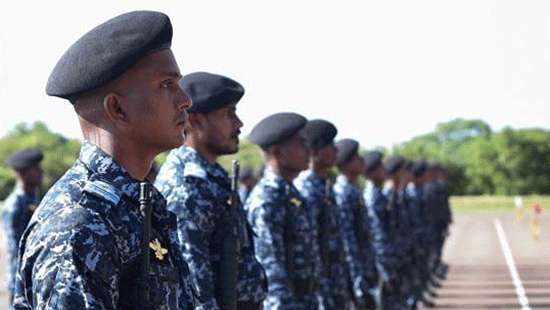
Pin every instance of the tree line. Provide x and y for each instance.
(480, 160)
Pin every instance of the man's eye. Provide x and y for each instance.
(166, 84)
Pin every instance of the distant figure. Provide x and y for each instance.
(283, 235)
(354, 224)
(315, 186)
(20, 204)
(247, 181)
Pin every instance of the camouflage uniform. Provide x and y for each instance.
(359, 256)
(82, 248)
(382, 218)
(17, 211)
(284, 243)
(334, 286)
(197, 192)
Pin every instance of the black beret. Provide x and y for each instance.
(419, 168)
(107, 51)
(319, 133)
(373, 160)
(346, 149)
(24, 159)
(277, 128)
(210, 91)
(394, 163)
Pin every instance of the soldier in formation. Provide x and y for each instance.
(306, 236)
(198, 190)
(20, 205)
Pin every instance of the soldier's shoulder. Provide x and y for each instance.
(266, 192)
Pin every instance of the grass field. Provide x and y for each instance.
(485, 204)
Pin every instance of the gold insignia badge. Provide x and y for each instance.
(159, 250)
(32, 207)
(295, 201)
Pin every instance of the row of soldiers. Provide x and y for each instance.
(108, 236)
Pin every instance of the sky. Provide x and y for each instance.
(381, 71)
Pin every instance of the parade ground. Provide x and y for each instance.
(494, 263)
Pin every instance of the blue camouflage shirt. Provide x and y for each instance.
(82, 248)
(401, 222)
(198, 192)
(16, 214)
(380, 222)
(322, 211)
(414, 200)
(284, 241)
(351, 211)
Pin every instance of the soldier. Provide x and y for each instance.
(84, 247)
(316, 187)
(443, 216)
(20, 204)
(400, 225)
(197, 189)
(381, 218)
(353, 224)
(283, 237)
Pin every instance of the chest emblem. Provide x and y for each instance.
(159, 250)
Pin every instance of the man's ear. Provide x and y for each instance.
(115, 109)
(197, 121)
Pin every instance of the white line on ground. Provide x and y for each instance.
(520, 290)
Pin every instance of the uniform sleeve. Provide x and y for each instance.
(77, 270)
(21, 218)
(267, 220)
(379, 236)
(354, 258)
(196, 208)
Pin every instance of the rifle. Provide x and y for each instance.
(324, 229)
(229, 265)
(145, 207)
(289, 245)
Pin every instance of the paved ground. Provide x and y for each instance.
(479, 277)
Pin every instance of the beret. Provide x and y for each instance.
(346, 149)
(24, 158)
(210, 91)
(277, 128)
(394, 163)
(373, 160)
(107, 51)
(319, 133)
(419, 167)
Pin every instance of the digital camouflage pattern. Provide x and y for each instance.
(357, 244)
(197, 192)
(82, 247)
(17, 211)
(284, 242)
(334, 289)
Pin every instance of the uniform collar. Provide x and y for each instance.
(107, 169)
(188, 154)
